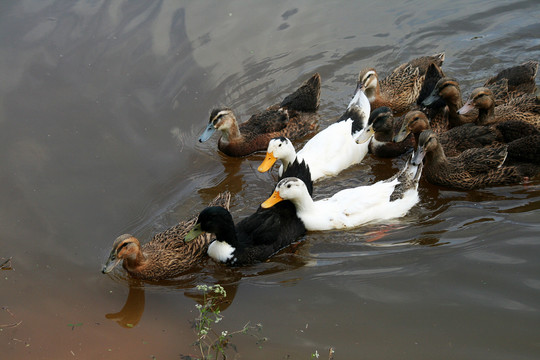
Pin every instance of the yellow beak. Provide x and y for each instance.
(272, 200)
(267, 163)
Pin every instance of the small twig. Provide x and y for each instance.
(5, 263)
(7, 326)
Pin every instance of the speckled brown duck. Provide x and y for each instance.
(525, 108)
(453, 141)
(294, 117)
(399, 90)
(472, 169)
(166, 255)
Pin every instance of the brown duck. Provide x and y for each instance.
(521, 78)
(453, 141)
(472, 169)
(525, 108)
(399, 90)
(383, 124)
(166, 255)
(295, 117)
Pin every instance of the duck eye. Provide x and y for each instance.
(279, 145)
(288, 186)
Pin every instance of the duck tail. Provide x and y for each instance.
(306, 97)
(408, 179)
(300, 170)
(433, 74)
(223, 199)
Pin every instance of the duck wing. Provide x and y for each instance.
(173, 238)
(482, 160)
(466, 136)
(433, 74)
(264, 122)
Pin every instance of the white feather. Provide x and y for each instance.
(350, 207)
(220, 251)
(330, 151)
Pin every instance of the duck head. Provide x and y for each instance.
(382, 119)
(221, 119)
(414, 122)
(278, 148)
(481, 98)
(368, 81)
(446, 89)
(125, 247)
(287, 189)
(214, 220)
(427, 142)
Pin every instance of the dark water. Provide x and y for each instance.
(101, 103)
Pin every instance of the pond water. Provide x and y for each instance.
(101, 105)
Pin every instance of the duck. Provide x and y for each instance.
(382, 125)
(521, 78)
(472, 169)
(453, 141)
(400, 89)
(351, 207)
(165, 255)
(331, 150)
(525, 108)
(295, 117)
(448, 90)
(258, 236)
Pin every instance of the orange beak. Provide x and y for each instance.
(267, 163)
(272, 200)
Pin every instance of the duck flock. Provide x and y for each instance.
(492, 138)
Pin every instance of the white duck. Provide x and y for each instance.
(332, 150)
(349, 208)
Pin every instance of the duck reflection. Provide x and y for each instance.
(231, 179)
(209, 273)
(132, 311)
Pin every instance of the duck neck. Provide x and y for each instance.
(136, 262)
(454, 119)
(436, 157)
(486, 116)
(227, 234)
(232, 133)
(303, 204)
(383, 136)
(288, 159)
(372, 93)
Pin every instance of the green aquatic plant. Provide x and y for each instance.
(210, 342)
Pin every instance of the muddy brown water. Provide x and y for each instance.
(101, 104)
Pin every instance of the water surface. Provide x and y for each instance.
(101, 105)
